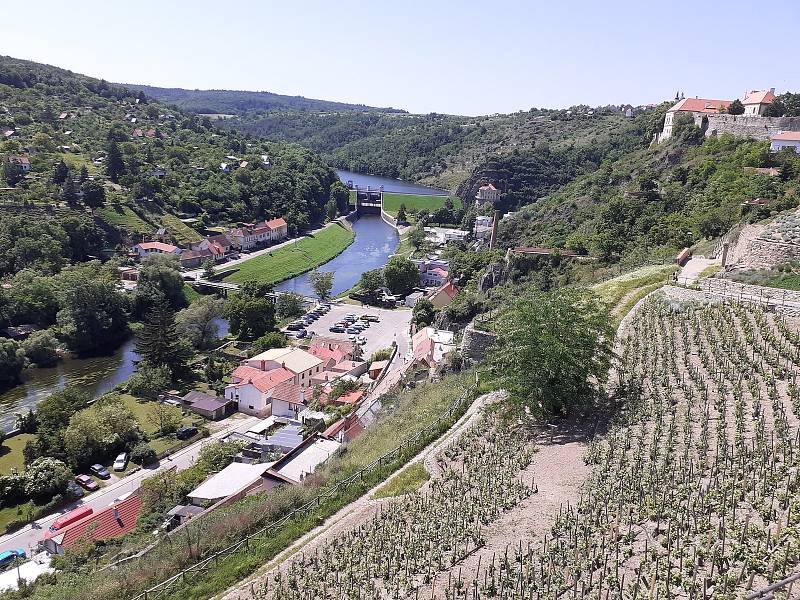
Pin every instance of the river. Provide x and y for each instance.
(96, 375)
(389, 185)
(374, 243)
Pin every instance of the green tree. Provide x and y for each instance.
(401, 275)
(165, 417)
(289, 305)
(149, 381)
(100, 431)
(208, 269)
(736, 107)
(115, 165)
(12, 173)
(341, 197)
(12, 360)
(330, 210)
(268, 342)
(553, 350)
(401, 214)
(417, 237)
(250, 317)
(322, 282)
(83, 175)
(60, 172)
(69, 191)
(94, 195)
(143, 454)
(92, 315)
(423, 313)
(45, 477)
(41, 348)
(371, 281)
(159, 277)
(158, 342)
(197, 323)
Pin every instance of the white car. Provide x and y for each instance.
(361, 340)
(121, 462)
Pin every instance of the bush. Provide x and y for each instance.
(40, 348)
(143, 454)
(382, 354)
(267, 342)
(46, 476)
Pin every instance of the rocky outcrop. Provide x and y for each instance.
(475, 343)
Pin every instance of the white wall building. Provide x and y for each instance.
(787, 139)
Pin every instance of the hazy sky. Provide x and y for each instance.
(464, 57)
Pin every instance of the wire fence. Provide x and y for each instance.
(162, 588)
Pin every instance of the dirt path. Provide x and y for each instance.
(359, 511)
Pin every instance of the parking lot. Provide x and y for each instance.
(392, 326)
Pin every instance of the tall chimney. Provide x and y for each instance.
(495, 219)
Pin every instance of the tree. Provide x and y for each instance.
(289, 305)
(371, 281)
(250, 316)
(401, 275)
(208, 269)
(401, 214)
(12, 173)
(69, 191)
(46, 477)
(100, 431)
(143, 454)
(736, 107)
(158, 342)
(341, 197)
(167, 418)
(40, 348)
(322, 282)
(417, 237)
(149, 381)
(115, 166)
(552, 351)
(12, 360)
(60, 172)
(330, 209)
(94, 195)
(198, 322)
(268, 342)
(159, 277)
(83, 175)
(423, 313)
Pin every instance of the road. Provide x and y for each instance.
(28, 537)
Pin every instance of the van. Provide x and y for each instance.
(7, 557)
(184, 433)
(71, 517)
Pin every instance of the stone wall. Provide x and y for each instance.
(760, 128)
(765, 254)
(475, 343)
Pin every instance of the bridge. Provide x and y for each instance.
(223, 288)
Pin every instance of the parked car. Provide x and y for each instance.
(295, 326)
(372, 318)
(184, 433)
(87, 482)
(336, 329)
(121, 461)
(363, 323)
(353, 330)
(100, 471)
(75, 491)
(7, 557)
(301, 334)
(361, 340)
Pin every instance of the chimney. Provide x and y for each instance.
(772, 90)
(493, 238)
(116, 514)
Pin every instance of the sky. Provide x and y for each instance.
(457, 56)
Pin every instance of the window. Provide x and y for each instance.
(251, 407)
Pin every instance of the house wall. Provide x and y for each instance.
(282, 408)
(249, 397)
(778, 145)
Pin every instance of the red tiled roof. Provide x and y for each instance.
(537, 250)
(790, 136)
(758, 97)
(158, 246)
(488, 187)
(701, 105)
(325, 354)
(332, 344)
(275, 223)
(289, 392)
(262, 380)
(439, 271)
(351, 398)
(113, 522)
(449, 289)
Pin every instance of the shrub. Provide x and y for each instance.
(143, 454)
(40, 348)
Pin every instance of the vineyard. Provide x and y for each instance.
(691, 493)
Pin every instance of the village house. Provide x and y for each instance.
(145, 249)
(251, 235)
(442, 235)
(250, 388)
(432, 273)
(487, 194)
(301, 462)
(693, 106)
(430, 345)
(23, 162)
(483, 227)
(235, 480)
(787, 139)
(756, 102)
(113, 522)
(191, 259)
(218, 246)
(444, 295)
(208, 406)
(301, 363)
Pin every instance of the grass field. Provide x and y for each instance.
(294, 259)
(392, 202)
(123, 217)
(181, 231)
(622, 293)
(406, 482)
(11, 452)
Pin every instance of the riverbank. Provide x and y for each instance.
(415, 202)
(306, 254)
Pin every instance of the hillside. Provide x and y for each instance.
(144, 164)
(240, 102)
(435, 149)
(653, 201)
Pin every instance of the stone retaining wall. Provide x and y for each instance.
(765, 254)
(475, 343)
(760, 128)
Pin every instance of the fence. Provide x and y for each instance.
(158, 590)
(768, 593)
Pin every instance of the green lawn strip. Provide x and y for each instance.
(785, 281)
(392, 202)
(410, 480)
(123, 217)
(614, 290)
(18, 515)
(295, 259)
(233, 568)
(183, 234)
(625, 308)
(191, 294)
(11, 453)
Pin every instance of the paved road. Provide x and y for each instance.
(28, 537)
(690, 272)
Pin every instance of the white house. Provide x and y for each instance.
(487, 194)
(787, 139)
(149, 248)
(756, 102)
(250, 388)
(301, 363)
(432, 273)
(251, 235)
(483, 227)
(693, 106)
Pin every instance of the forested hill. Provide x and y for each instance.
(441, 150)
(84, 146)
(237, 102)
